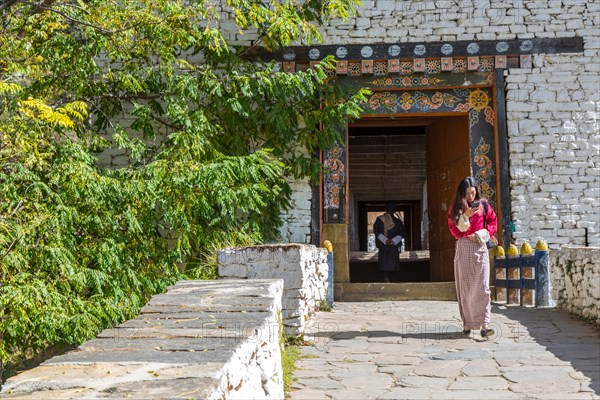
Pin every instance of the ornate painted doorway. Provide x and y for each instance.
(461, 140)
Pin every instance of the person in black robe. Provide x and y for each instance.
(389, 234)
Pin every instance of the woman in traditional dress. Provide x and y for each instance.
(472, 222)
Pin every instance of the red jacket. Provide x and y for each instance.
(476, 222)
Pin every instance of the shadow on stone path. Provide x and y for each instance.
(416, 350)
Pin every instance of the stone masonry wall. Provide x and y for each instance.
(303, 268)
(297, 220)
(201, 340)
(575, 278)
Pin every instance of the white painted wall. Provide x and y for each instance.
(575, 276)
(303, 268)
(296, 227)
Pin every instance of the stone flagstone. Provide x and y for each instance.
(519, 362)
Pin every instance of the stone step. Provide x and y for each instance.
(395, 291)
(181, 346)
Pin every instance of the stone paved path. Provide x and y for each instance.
(415, 350)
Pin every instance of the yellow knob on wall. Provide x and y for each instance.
(499, 252)
(541, 245)
(327, 244)
(526, 249)
(512, 251)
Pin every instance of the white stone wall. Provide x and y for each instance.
(554, 142)
(296, 227)
(575, 274)
(303, 268)
(255, 369)
(387, 21)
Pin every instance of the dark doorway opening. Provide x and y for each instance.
(410, 213)
(414, 262)
(387, 162)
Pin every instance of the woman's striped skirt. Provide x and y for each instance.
(472, 279)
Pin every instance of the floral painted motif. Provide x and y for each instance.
(354, 69)
(406, 67)
(334, 177)
(475, 102)
(380, 68)
(406, 81)
(336, 152)
(486, 64)
(459, 65)
(485, 170)
(439, 82)
(489, 115)
(433, 66)
(488, 192)
(406, 101)
(422, 101)
(473, 117)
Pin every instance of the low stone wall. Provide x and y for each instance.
(575, 278)
(202, 340)
(303, 269)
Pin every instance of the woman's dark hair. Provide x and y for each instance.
(460, 203)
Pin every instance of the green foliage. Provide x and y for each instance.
(289, 356)
(325, 306)
(207, 139)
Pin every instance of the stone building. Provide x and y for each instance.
(506, 91)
